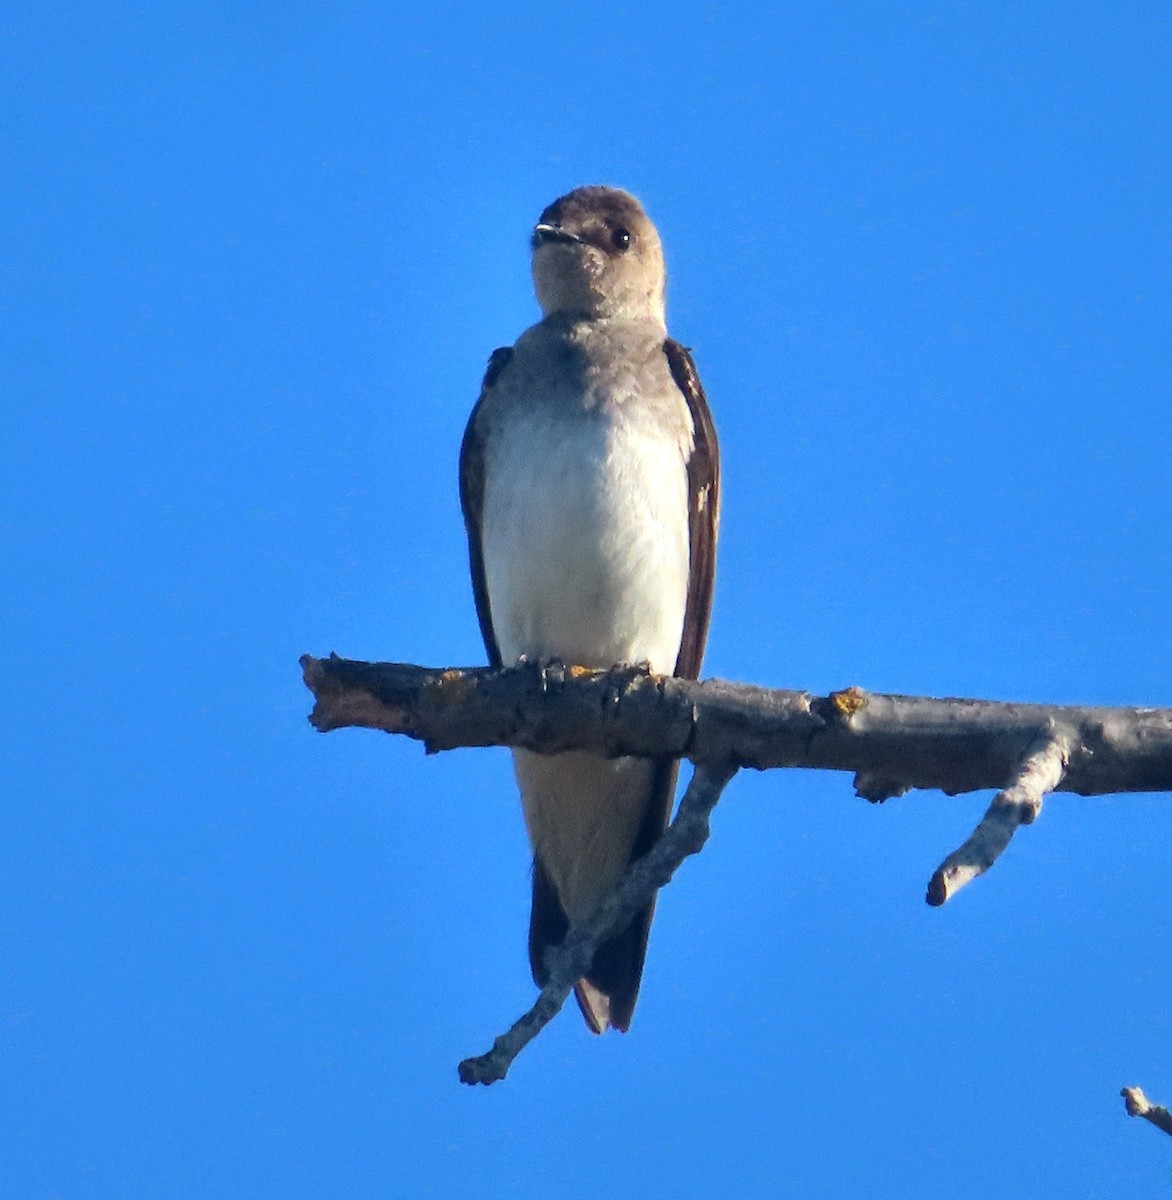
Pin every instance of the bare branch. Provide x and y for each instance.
(1019, 804)
(891, 743)
(1138, 1105)
(569, 962)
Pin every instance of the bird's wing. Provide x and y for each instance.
(472, 503)
(703, 511)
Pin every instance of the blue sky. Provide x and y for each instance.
(255, 259)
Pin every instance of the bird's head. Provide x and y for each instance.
(596, 254)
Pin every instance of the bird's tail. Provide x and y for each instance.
(607, 993)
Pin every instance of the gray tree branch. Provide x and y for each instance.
(1019, 804)
(890, 743)
(1138, 1105)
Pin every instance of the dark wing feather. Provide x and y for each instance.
(703, 511)
(472, 504)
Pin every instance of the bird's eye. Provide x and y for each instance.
(620, 239)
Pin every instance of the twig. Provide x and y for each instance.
(569, 962)
(1138, 1105)
(1019, 804)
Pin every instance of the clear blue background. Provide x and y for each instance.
(254, 260)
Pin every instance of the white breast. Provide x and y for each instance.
(585, 540)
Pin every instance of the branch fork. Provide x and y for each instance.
(1019, 804)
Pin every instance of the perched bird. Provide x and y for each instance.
(589, 481)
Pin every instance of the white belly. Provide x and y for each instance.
(585, 541)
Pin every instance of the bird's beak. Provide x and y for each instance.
(543, 234)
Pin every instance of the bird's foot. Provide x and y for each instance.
(555, 670)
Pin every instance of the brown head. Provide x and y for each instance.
(596, 254)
